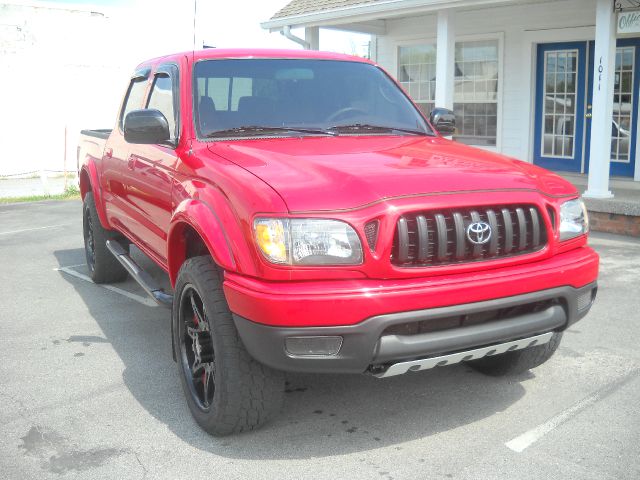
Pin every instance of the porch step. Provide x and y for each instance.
(618, 223)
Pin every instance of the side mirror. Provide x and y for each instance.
(443, 120)
(147, 126)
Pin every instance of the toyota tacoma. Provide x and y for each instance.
(311, 218)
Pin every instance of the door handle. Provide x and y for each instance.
(108, 152)
(131, 162)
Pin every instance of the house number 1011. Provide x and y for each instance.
(600, 70)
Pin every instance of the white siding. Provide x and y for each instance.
(521, 27)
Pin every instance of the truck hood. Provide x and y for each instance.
(336, 173)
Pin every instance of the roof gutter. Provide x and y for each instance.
(372, 10)
(286, 31)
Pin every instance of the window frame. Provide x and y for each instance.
(171, 71)
(617, 116)
(499, 36)
(414, 43)
(544, 112)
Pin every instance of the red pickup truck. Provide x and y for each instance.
(311, 219)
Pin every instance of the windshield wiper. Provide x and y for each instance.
(369, 128)
(262, 130)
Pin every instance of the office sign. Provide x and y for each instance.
(628, 22)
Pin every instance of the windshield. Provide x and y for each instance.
(271, 97)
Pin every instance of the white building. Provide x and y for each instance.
(555, 83)
(64, 67)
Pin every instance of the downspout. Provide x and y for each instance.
(286, 31)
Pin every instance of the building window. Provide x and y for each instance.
(476, 92)
(417, 74)
(559, 114)
(622, 105)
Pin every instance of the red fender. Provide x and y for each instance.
(89, 173)
(201, 218)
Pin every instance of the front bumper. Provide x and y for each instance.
(324, 303)
(376, 319)
(368, 347)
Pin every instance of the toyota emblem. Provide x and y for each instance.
(479, 233)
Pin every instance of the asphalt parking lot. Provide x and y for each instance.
(88, 389)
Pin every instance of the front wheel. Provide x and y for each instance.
(518, 361)
(227, 391)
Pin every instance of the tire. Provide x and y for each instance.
(103, 266)
(519, 361)
(226, 390)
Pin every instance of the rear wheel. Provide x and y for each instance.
(103, 266)
(518, 361)
(227, 391)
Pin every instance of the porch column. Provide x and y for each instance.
(312, 36)
(603, 83)
(445, 61)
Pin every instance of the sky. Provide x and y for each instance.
(236, 23)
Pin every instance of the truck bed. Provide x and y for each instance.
(91, 144)
(99, 133)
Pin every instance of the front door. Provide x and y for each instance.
(625, 107)
(152, 167)
(564, 89)
(560, 106)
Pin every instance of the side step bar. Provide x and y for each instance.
(139, 275)
(450, 359)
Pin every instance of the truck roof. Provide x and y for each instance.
(217, 53)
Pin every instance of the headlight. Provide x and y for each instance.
(574, 220)
(307, 241)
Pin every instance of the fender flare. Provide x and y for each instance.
(90, 170)
(201, 217)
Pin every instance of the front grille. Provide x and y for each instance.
(440, 238)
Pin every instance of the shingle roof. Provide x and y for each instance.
(301, 7)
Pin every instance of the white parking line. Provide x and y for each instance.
(36, 228)
(520, 443)
(138, 298)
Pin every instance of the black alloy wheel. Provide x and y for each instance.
(227, 391)
(197, 354)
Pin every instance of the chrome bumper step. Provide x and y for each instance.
(452, 358)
